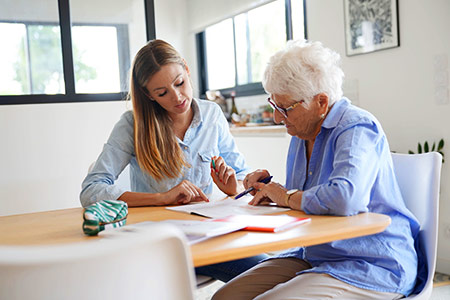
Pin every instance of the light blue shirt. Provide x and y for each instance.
(207, 136)
(350, 172)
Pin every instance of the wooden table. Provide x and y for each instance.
(64, 226)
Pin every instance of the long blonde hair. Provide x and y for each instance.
(157, 150)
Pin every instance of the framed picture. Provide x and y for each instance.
(371, 25)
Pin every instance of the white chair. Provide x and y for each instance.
(418, 176)
(154, 263)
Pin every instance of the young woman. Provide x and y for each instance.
(169, 140)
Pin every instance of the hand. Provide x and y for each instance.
(254, 177)
(185, 192)
(224, 176)
(271, 192)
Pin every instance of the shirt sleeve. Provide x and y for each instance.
(358, 150)
(116, 155)
(228, 149)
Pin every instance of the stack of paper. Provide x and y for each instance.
(194, 230)
(264, 223)
(227, 207)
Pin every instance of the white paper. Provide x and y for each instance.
(194, 230)
(227, 207)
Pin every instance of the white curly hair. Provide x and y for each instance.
(304, 69)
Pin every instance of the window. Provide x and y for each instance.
(97, 63)
(233, 53)
(58, 52)
(33, 60)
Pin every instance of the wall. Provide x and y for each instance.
(204, 13)
(265, 151)
(46, 150)
(171, 24)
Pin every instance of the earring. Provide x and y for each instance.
(322, 116)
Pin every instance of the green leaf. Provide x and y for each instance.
(410, 152)
(425, 147)
(419, 148)
(434, 147)
(441, 144)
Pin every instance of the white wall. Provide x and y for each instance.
(46, 149)
(171, 23)
(204, 13)
(267, 152)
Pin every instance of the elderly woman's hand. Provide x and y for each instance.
(254, 177)
(271, 192)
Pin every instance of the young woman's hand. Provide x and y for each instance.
(185, 192)
(224, 176)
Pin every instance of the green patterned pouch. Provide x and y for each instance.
(104, 215)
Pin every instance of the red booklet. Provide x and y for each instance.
(268, 223)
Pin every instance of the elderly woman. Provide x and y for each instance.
(338, 163)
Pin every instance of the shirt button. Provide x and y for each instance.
(185, 147)
(310, 173)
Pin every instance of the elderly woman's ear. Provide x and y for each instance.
(322, 100)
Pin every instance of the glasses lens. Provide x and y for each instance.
(282, 111)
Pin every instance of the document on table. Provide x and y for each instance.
(264, 222)
(227, 207)
(194, 230)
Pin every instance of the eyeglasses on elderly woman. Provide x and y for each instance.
(283, 111)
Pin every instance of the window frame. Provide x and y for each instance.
(70, 95)
(249, 89)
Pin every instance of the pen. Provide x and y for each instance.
(265, 180)
(213, 164)
(200, 215)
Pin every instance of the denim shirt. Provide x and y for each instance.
(208, 135)
(350, 172)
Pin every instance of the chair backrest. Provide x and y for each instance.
(418, 176)
(154, 263)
